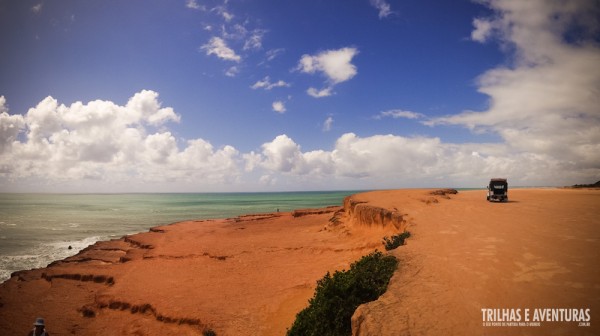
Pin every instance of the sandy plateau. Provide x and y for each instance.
(250, 275)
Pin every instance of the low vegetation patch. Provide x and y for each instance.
(209, 332)
(595, 185)
(337, 297)
(395, 241)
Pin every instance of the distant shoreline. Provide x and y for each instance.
(36, 229)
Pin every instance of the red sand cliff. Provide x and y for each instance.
(250, 275)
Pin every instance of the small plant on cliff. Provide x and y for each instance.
(395, 241)
(337, 297)
(209, 332)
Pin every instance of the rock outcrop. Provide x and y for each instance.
(360, 213)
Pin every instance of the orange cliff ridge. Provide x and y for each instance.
(251, 275)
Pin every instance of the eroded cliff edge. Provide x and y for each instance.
(362, 211)
(372, 210)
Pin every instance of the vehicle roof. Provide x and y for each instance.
(498, 180)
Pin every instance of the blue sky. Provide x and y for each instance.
(295, 95)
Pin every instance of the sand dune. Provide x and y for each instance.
(250, 275)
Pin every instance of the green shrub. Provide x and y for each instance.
(395, 241)
(337, 297)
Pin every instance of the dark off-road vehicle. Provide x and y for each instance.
(498, 190)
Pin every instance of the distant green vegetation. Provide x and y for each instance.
(337, 297)
(595, 185)
(395, 241)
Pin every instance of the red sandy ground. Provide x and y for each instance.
(540, 250)
(251, 275)
(243, 276)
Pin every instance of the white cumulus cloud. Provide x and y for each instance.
(232, 71)
(282, 154)
(193, 4)
(382, 6)
(224, 13)
(105, 142)
(392, 161)
(483, 30)
(37, 8)
(266, 84)
(399, 114)
(144, 105)
(546, 103)
(254, 41)
(279, 106)
(326, 92)
(218, 47)
(334, 64)
(10, 126)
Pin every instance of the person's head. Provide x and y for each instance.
(39, 323)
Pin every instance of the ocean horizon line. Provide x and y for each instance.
(191, 192)
(255, 192)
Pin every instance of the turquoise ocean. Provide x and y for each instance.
(36, 229)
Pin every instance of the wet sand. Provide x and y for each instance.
(250, 275)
